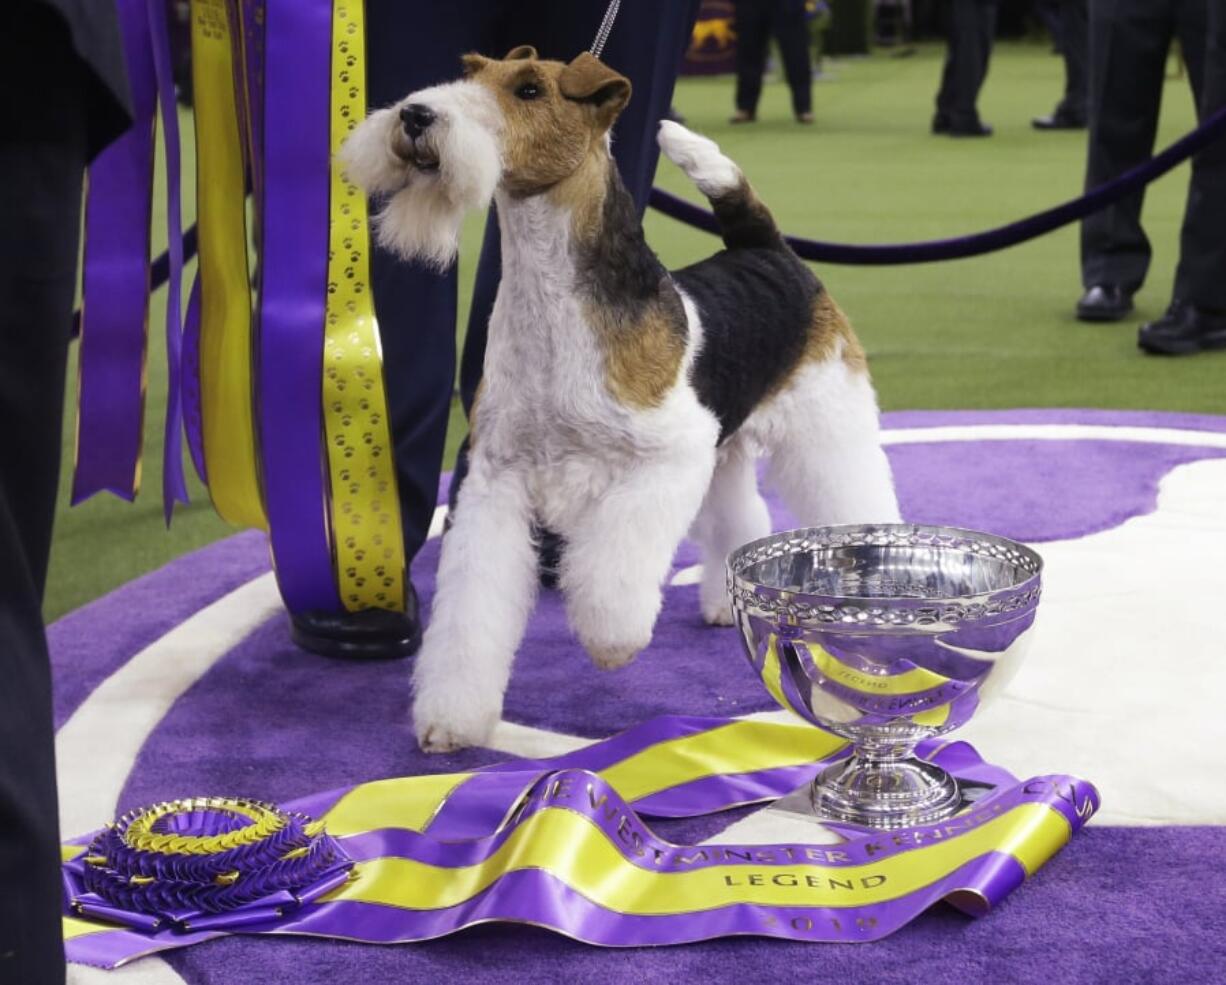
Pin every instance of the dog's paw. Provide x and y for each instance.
(610, 656)
(446, 725)
(442, 738)
(718, 615)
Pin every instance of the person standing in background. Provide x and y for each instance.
(971, 29)
(1196, 318)
(754, 23)
(65, 97)
(1130, 41)
(1070, 112)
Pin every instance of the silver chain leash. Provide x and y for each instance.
(606, 25)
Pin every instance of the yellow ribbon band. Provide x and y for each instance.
(411, 802)
(368, 544)
(573, 849)
(226, 345)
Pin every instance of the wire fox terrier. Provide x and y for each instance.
(622, 405)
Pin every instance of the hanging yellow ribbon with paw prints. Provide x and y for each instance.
(366, 528)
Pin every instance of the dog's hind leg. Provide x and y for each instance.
(620, 548)
(486, 588)
(732, 514)
(824, 447)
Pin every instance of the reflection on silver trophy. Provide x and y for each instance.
(884, 634)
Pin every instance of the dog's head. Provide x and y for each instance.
(520, 123)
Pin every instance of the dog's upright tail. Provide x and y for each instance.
(744, 221)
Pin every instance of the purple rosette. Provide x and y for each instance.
(215, 862)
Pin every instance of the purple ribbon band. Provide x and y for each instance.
(496, 806)
(294, 259)
(174, 483)
(193, 415)
(115, 285)
(118, 278)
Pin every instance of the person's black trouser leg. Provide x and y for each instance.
(970, 29)
(791, 30)
(985, 25)
(1201, 275)
(409, 47)
(1129, 41)
(1075, 47)
(652, 70)
(43, 150)
(752, 26)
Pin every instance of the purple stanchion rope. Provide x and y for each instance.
(986, 242)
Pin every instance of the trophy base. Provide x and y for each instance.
(885, 793)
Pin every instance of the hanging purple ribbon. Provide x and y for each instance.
(174, 485)
(193, 414)
(251, 17)
(118, 213)
(294, 227)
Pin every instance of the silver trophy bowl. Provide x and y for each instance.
(884, 634)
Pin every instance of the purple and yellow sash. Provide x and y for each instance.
(560, 844)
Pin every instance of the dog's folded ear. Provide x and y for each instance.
(473, 63)
(520, 52)
(589, 80)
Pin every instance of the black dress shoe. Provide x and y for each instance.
(372, 634)
(1104, 302)
(1184, 329)
(1058, 121)
(974, 129)
(940, 123)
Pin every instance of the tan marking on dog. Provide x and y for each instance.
(549, 136)
(830, 333)
(642, 359)
(830, 327)
(583, 193)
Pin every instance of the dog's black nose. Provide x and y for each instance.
(416, 118)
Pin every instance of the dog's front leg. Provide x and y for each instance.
(621, 550)
(486, 588)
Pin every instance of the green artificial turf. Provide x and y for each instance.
(996, 331)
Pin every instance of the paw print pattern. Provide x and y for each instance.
(365, 513)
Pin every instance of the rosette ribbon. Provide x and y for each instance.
(206, 863)
(561, 844)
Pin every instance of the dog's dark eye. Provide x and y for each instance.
(529, 90)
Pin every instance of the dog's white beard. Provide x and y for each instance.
(423, 222)
(422, 218)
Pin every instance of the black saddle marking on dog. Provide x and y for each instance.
(616, 267)
(757, 310)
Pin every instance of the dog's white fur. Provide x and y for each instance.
(622, 486)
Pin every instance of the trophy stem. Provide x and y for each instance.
(885, 786)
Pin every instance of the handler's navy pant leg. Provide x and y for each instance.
(411, 46)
